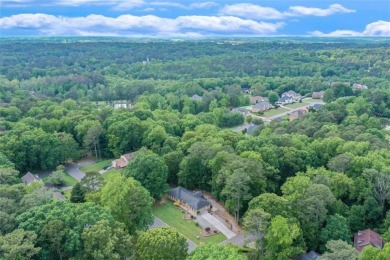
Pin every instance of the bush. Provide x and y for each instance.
(177, 204)
(207, 229)
(197, 224)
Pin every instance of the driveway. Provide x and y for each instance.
(159, 223)
(218, 224)
(73, 168)
(239, 240)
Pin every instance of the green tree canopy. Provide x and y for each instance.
(161, 243)
(215, 252)
(150, 170)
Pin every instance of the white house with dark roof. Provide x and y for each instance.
(196, 97)
(29, 178)
(192, 201)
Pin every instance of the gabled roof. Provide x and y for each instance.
(251, 128)
(312, 255)
(28, 178)
(284, 98)
(59, 196)
(256, 99)
(128, 156)
(196, 97)
(194, 200)
(261, 104)
(367, 237)
(291, 93)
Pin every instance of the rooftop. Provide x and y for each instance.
(194, 199)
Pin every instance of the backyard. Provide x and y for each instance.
(273, 112)
(174, 217)
(98, 166)
(68, 180)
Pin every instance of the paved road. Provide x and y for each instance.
(159, 223)
(294, 109)
(218, 224)
(239, 240)
(73, 168)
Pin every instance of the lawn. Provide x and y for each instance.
(111, 172)
(296, 105)
(68, 180)
(68, 193)
(96, 167)
(174, 217)
(273, 112)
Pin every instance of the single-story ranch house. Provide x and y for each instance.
(192, 201)
(123, 161)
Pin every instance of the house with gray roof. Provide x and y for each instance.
(261, 106)
(29, 178)
(192, 201)
(58, 196)
(241, 110)
(196, 97)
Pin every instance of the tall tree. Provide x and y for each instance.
(150, 170)
(340, 250)
(283, 239)
(161, 243)
(18, 244)
(105, 240)
(336, 229)
(237, 190)
(256, 221)
(129, 202)
(91, 139)
(215, 252)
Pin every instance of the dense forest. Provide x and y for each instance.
(298, 186)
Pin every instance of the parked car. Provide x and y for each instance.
(107, 167)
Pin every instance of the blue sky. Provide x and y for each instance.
(194, 18)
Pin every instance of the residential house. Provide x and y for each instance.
(196, 97)
(365, 238)
(318, 95)
(192, 201)
(246, 91)
(312, 255)
(358, 86)
(284, 100)
(316, 107)
(261, 106)
(241, 110)
(29, 178)
(296, 114)
(58, 196)
(251, 128)
(257, 99)
(293, 95)
(123, 161)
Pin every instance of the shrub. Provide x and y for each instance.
(177, 204)
(207, 229)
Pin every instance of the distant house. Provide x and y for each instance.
(58, 196)
(293, 95)
(316, 107)
(241, 110)
(29, 178)
(312, 255)
(257, 99)
(284, 100)
(246, 91)
(365, 238)
(318, 95)
(296, 114)
(251, 128)
(193, 201)
(358, 86)
(123, 161)
(261, 106)
(196, 97)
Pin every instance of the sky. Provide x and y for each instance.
(188, 18)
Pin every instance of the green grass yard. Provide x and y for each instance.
(174, 217)
(297, 105)
(96, 167)
(68, 193)
(273, 112)
(68, 180)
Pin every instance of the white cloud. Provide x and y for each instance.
(312, 11)
(131, 25)
(203, 5)
(378, 28)
(253, 11)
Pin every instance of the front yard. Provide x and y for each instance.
(98, 166)
(68, 180)
(174, 217)
(274, 111)
(297, 105)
